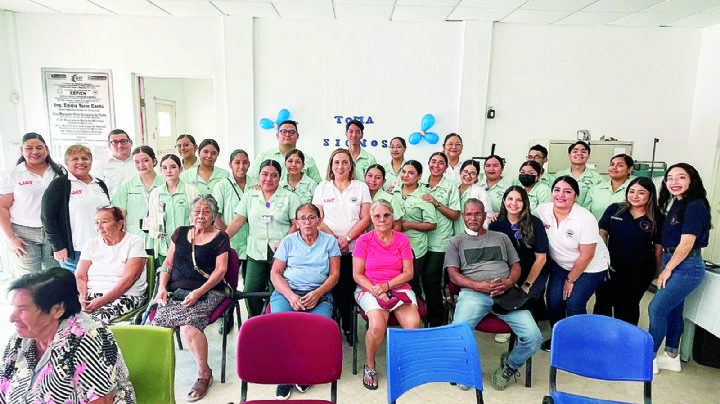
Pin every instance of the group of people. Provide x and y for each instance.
(379, 236)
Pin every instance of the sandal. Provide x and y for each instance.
(370, 373)
(200, 389)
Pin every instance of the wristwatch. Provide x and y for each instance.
(438, 205)
(528, 284)
(347, 237)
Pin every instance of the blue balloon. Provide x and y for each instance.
(283, 115)
(415, 138)
(431, 137)
(427, 122)
(266, 123)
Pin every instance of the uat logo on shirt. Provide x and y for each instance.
(26, 182)
(77, 192)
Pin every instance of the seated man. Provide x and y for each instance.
(485, 265)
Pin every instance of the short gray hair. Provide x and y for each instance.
(381, 202)
(210, 200)
(474, 201)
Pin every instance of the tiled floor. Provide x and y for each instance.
(695, 384)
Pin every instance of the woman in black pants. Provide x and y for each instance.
(632, 231)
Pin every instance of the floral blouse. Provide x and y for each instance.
(83, 363)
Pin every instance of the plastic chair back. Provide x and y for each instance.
(150, 357)
(603, 348)
(424, 355)
(231, 276)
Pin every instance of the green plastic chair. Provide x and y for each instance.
(135, 316)
(150, 357)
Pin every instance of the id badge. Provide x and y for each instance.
(265, 219)
(145, 224)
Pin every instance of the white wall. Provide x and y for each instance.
(547, 82)
(10, 112)
(200, 107)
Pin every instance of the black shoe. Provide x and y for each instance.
(283, 391)
(349, 337)
(226, 328)
(302, 387)
(545, 346)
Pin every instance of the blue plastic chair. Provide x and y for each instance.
(602, 348)
(424, 355)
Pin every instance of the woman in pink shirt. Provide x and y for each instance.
(382, 268)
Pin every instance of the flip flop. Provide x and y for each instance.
(373, 377)
(199, 389)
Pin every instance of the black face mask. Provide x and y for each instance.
(527, 179)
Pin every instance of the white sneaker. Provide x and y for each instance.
(667, 362)
(502, 338)
(655, 367)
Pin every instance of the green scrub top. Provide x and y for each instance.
(191, 176)
(362, 163)
(228, 194)
(447, 193)
(588, 179)
(539, 194)
(304, 190)
(132, 197)
(176, 212)
(414, 209)
(602, 195)
(268, 222)
(275, 154)
(391, 175)
(495, 192)
(195, 164)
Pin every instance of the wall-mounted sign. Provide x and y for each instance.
(339, 119)
(79, 106)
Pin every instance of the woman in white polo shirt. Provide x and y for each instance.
(69, 205)
(344, 204)
(579, 257)
(21, 192)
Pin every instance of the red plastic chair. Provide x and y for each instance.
(224, 309)
(289, 348)
(392, 322)
(490, 324)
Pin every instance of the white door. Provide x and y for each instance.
(165, 130)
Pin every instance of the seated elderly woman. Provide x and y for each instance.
(111, 271)
(382, 268)
(305, 269)
(192, 286)
(59, 354)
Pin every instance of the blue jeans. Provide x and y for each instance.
(666, 308)
(576, 303)
(71, 263)
(324, 306)
(472, 306)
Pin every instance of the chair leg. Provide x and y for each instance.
(355, 338)
(226, 319)
(528, 373)
(177, 337)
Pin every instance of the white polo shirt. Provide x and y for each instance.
(108, 263)
(453, 173)
(114, 172)
(85, 199)
(341, 208)
(28, 189)
(580, 227)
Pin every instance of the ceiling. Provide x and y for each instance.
(631, 13)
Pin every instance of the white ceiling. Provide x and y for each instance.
(633, 13)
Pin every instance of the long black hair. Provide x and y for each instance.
(48, 160)
(696, 190)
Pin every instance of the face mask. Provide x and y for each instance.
(527, 179)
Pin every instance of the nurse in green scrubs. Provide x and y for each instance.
(205, 176)
(133, 195)
(228, 194)
(169, 206)
(494, 183)
(375, 180)
(415, 217)
(441, 193)
(579, 154)
(469, 188)
(392, 169)
(186, 148)
(268, 212)
(529, 179)
(606, 193)
(296, 181)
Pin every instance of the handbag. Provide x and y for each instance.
(181, 294)
(513, 299)
(397, 296)
(228, 289)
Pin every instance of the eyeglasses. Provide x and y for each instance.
(121, 141)
(515, 228)
(385, 216)
(468, 173)
(307, 219)
(535, 157)
(473, 214)
(286, 132)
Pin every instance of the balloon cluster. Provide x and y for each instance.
(427, 122)
(283, 115)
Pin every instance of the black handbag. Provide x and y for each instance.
(513, 299)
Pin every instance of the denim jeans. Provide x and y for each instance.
(71, 263)
(324, 306)
(472, 306)
(576, 303)
(39, 251)
(666, 308)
